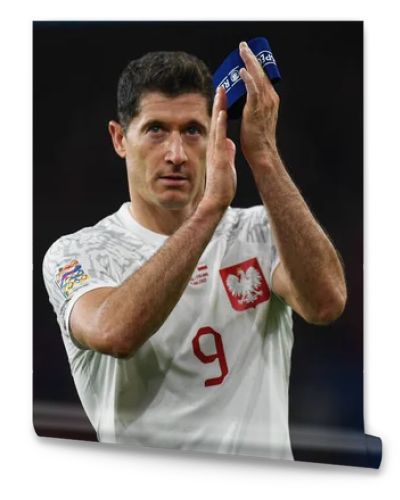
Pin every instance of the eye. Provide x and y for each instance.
(154, 129)
(193, 130)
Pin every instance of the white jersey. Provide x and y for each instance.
(215, 376)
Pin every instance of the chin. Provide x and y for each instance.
(175, 202)
(174, 205)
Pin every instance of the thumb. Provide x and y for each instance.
(230, 149)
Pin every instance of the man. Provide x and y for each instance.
(176, 310)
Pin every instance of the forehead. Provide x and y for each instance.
(182, 108)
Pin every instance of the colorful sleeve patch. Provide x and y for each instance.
(71, 277)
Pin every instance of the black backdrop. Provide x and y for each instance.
(78, 179)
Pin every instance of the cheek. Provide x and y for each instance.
(202, 162)
(198, 152)
(141, 164)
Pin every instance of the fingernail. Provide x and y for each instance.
(243, 45)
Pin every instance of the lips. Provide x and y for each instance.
(173, 180)
(174, 177)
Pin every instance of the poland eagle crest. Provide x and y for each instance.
(245, 284)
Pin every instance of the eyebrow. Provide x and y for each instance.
(162, 124)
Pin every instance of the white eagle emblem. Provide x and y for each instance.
(246, 285)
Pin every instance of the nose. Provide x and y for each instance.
(175, 152)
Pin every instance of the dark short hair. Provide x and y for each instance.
(170, 73)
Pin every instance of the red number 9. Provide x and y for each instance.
(209, 358)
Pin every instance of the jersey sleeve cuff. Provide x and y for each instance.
(72, 302)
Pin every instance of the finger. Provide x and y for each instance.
(220, 131)
(251, 87)
(223, 99)
(230, 150)
(250, 60)
(214, 115)
(252, 64)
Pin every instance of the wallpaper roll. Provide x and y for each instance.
(158, 323)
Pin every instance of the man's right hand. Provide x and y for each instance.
(220, 171)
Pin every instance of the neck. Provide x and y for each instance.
(158, 219)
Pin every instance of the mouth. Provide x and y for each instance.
(173, 179)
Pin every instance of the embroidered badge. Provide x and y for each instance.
(245, 284)
(200, 275)
(70, 277)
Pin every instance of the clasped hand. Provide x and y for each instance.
(260, 113)
(257, 133)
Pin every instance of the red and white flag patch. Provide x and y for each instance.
(200, 276)
(245, 284)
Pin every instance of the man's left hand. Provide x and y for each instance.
(260, 114)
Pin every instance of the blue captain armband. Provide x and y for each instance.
(228, 77)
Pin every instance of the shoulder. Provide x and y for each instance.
(106, 249)
(82, 239)
(105, 233)
(79, 259)
(250, 223)
(91, 240)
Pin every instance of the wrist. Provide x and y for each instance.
(209, 211)
(267, 161)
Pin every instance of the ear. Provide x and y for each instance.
(117, 137)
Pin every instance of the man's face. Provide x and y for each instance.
(165, 147)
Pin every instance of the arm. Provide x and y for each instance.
(119, 320)
(310, 276)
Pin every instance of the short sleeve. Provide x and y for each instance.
(71, 269)
(254, 226)
(263, 230)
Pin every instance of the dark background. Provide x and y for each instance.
(78, 179)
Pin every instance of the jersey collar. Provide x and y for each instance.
(132, 225)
